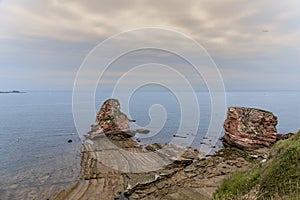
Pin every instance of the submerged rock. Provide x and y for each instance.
(142, 131)
(249, 128)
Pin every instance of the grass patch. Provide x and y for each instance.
(281, 175)
(278, 178)
(239, 183)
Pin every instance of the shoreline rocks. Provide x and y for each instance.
(114, 166)
(187, 176)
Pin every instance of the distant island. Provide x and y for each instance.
(13, 91)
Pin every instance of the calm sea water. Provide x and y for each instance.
(35, 127)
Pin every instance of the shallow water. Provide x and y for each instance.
(35, 127)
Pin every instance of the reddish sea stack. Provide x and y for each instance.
(110, 118)
(249, 128)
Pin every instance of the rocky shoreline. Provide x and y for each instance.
(114, 166)
(187, 177)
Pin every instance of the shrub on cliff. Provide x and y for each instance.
(278, 178)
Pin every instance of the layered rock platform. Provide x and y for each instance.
(115, 166)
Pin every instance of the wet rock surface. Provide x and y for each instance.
(249, 128)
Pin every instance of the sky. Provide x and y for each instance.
(255, 44)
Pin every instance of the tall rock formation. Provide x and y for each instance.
(110, 118)
(249, 128)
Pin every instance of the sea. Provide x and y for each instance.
(36, 128)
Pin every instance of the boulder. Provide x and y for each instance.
(249, 128)
(111, 119)
(153, 147)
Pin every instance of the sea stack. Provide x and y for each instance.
(249, 128)
(110, 117)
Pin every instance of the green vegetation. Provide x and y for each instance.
(278, 178)
(265, 111)
(106, 118)
(239, 183)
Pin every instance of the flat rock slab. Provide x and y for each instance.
(187, 178)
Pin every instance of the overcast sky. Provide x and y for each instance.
(255, 44)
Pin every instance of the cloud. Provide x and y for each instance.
(240, 35)
(87, 20)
